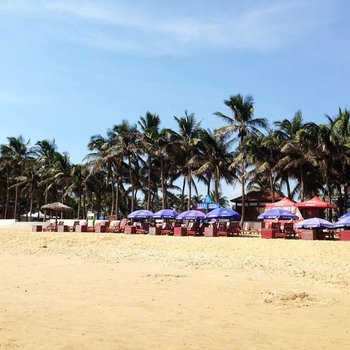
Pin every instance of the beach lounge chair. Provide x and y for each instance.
(122, 225)
(234, 229)
(143, 228)
(193, 229)
(223, 230)
(288, 230)
(113, 226)
(50, 227)
(72, 228)
(98, 227)
(248, 230)
(167, 229)
(276, 226)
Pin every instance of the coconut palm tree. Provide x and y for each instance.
(185, 147)
(150, 133)
(127, 144)
(14, 155)
(213, 160)
(243, 123)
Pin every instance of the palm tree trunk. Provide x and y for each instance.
(7, 195)
(149, 182)
(243, 169)
(113, 198)
(182, 203)
(79, 206)
(208, 185)
(340, 199)
(16, 200)
(302, 185)
(346, 197)
(163, 183)
(31, 203)
(289, 193)
(271, 187)
(132, 185)
(217, 183)
(243, 200)
(117, 199)
(189, 181)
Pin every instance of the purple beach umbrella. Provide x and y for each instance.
(344, 222)
(141, 214)
(346, 215)
(223, 213)
(276, 213)
(165, 214)
(314, 223)
(191, 215)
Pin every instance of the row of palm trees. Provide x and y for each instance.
(144, 165)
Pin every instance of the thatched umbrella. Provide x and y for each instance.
(57, 207)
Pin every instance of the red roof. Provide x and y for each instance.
(315, 202)
(285, 202)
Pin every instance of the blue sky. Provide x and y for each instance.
(72, 69)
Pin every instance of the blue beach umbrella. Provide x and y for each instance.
(346, 215)
(223, 213)
(191, 215)
(141, 214)
(344, 222)
(165, 214)
(277, 213)
(314, 223)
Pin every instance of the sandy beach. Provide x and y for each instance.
(114, 291)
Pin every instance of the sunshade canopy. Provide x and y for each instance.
(285, 202)
(277, 213)
(223, 213)
(344, 221)
(314, 223)
(315, 202)
(165, 214)
(344, 216)
(141, 214)
(57, 207)
(191, 215)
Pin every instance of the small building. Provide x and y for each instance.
(255, 202)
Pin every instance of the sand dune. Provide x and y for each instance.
(108, 291)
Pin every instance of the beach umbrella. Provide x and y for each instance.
(314, 223)
(344, 221)
(344, 216)
(277, 213)
(57, 207)
(165, 214)
(141, 214)
(191, 215)
(223, 213)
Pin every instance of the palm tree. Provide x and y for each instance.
(150, 133)
(14, 154)
(213, 160)
(297, 139)
(101, 159)
(263, 153)
(45, 153)
(341, 156)
(185, 146)
(242, 123)
(127, 145)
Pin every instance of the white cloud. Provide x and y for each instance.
(259, 27)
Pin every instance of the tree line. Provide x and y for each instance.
(147, 166)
